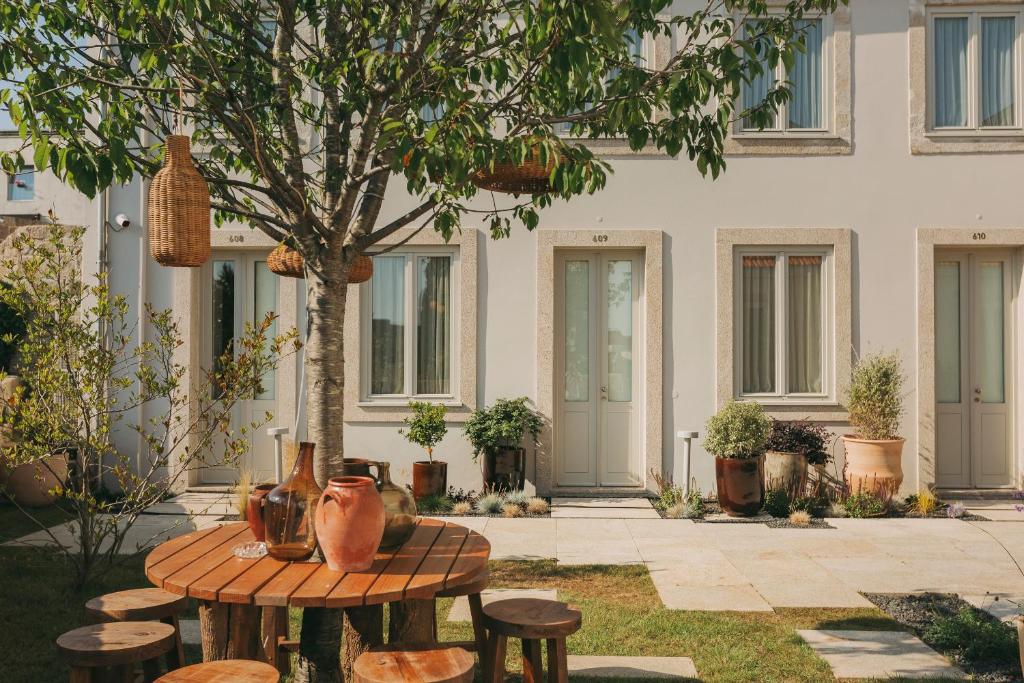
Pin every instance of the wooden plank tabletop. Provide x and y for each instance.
(201, 564)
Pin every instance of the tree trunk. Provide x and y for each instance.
(364, 628)
(412, 621)
(326, 295)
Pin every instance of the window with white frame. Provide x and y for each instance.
(21, 186)
(809, 110)
(409, 325)
(974, 68)
(783, 323)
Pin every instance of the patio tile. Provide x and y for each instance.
(146, 532)
(1003, 607)
(205, 505)
(621, 503)
(190, 634)
(998, 515)
(477, 524)
(878, 654)
(521, 539)
(738, 598)
(633, 668)
(605, 513)
(460, 608)
(663, 529)
(803, 593)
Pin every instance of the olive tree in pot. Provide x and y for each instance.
(737, 436)
(496, 434)
(425, 428)
(792, 446)
(875, 401)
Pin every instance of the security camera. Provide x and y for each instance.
(122, 220)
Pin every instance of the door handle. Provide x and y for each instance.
(604, 393)
(977, 390)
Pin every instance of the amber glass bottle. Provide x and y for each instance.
(288, 511)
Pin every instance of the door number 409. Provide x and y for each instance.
(600, 238)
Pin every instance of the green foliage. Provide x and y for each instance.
(875, 396)
(426, 426)
(434, 504)
(502, 426)
(738, 430)
(813, 505)
(776, 503)
(801, 436)
(865, 504)
(87, 375)
(974, 637)
(518, 498)
(12, 331)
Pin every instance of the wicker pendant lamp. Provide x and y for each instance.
(287, 262)
(179, 209)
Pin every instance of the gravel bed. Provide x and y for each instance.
(782, 523)
(917, 611)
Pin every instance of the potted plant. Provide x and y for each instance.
(737, 436)
(875, 401)
(425, 428)
(496, 434)
(791, 447)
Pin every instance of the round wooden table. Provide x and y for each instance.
(236, 594)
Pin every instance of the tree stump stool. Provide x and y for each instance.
(531, 620)
(224, 671)
(414, 664)
(118, 645)
(472, 592)
(143, 604)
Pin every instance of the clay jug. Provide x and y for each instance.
(399, 509)
(288, 511)
(254, 512)
(350, 523)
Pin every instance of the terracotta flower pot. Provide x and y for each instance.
(785, 471)
(350, 523)
(740, 485)
(254, 512)
(429, 478)
(30, 484)
(504, 470)
(873, 465)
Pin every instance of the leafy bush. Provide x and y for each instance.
(12, 331)
(738, 430)
(690, 508)
(974, 637)
(668, 493)
(502, 426)
(812, 505)
(426, 426)
(461, 495)
(776, 503)
(864, 504)
(801, 436)
(434, 504)
(875, 396)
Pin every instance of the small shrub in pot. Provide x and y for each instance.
(875, 402)
(425, 428)
(738, 436)
(496, 434)
(792, 446)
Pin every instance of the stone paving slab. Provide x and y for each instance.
(146, 532)
(1003, 607)
(180, 505)
(998, 515)
(633, 668)
(190, 634)
(605, 513)
(798, 592)
(460, 607)
(878, 654)
(620, 503)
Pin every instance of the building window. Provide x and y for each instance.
(974, 68)
(22, 185)
(409, 319)
(783, 321)
(807, 111)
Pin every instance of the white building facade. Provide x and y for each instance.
(882, 212)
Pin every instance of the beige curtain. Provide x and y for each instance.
(804, 323)
(758, 294)
(433, 338)
(387, 320)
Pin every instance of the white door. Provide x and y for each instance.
(598, 368)
(973, 361)
(240, 289)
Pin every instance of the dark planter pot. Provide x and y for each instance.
(429, 479)
(740, 485)
(504, 470)
(357, 467)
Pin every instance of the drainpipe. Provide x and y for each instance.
(687, 437)
(143, 294)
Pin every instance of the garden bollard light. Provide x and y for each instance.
(687, 437)
(277, 433)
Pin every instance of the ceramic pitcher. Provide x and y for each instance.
(350, 523)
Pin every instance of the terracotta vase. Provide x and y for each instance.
(350, 523)
(254, 511)
(740, 485)
(785, 471)
(399, 509)
(32, 484)
(429, 478)
(504, 470)
(289, 510)
(873, 465)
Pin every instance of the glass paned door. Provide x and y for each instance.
(598, 305)
(240, 290)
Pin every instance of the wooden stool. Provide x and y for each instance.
(224, 671)
(119, 644)
(414, 664)
(143, 604)
(472, 592)
(531, 620)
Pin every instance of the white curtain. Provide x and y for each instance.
(433, 337)
(805, 105)
(387, 325)
(577, 330)
(997, 71)
(755, 92)
(950, 71)
(758, 285)
(947, 332)
(804, 322)
(264, 302)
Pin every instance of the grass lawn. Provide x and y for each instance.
(622, 616)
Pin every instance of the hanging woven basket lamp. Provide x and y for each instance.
(288, 262)
(528, 177)
(179, 209)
